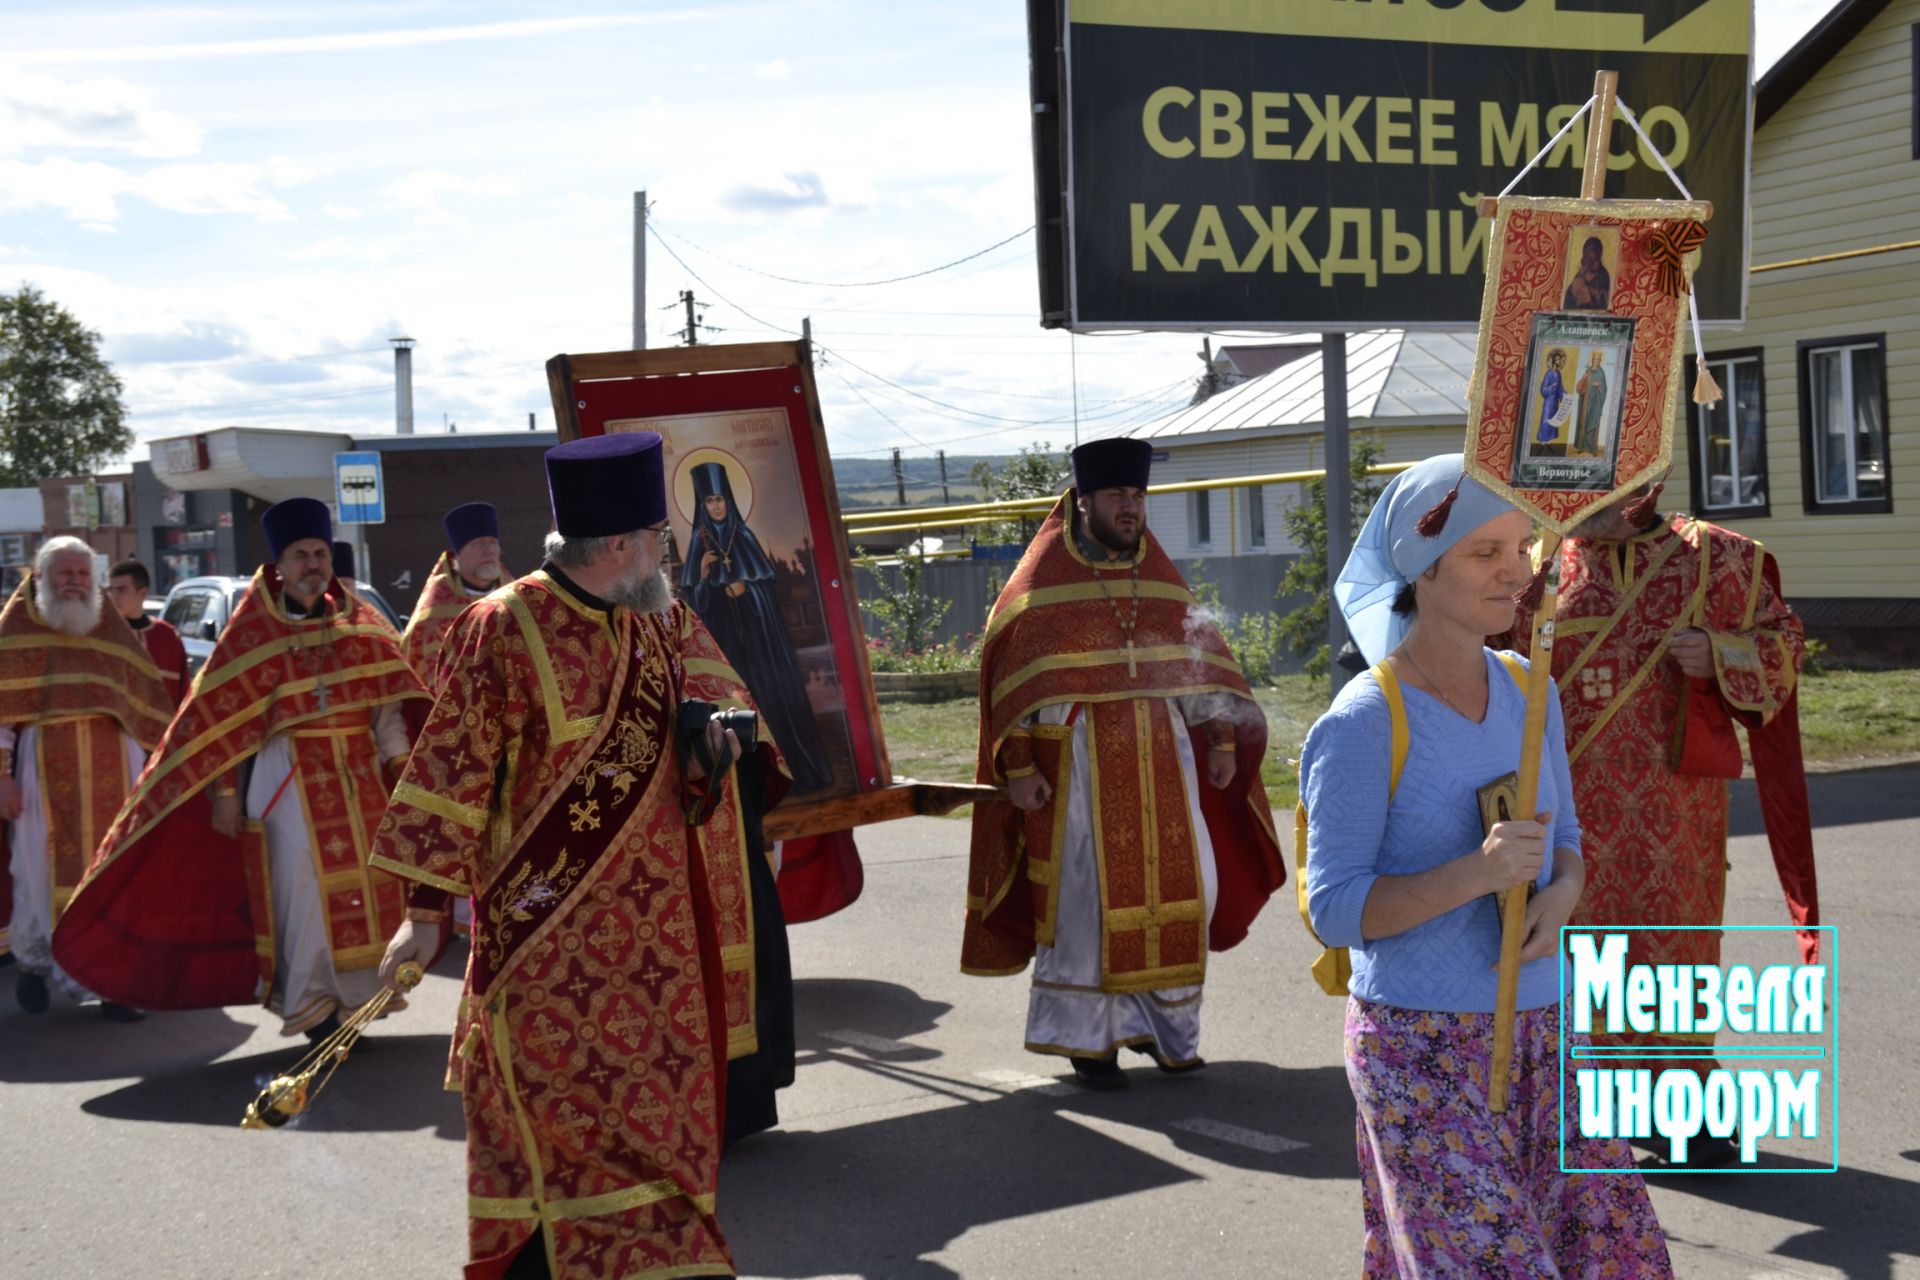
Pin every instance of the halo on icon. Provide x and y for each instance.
(737, 477)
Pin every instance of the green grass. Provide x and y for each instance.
(1845, 716)
(932, 741)
(1854, 715)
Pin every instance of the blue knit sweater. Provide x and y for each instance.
(1354, 837)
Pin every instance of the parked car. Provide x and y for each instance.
(198, 608)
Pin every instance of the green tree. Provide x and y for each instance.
(1034, 472)
(1254, 638)
(60, 410)
(1305, 629)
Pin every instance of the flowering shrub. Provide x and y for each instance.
(885, 653)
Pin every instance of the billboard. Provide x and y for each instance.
(1315, 164)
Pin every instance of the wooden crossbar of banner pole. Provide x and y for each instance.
(907, 519)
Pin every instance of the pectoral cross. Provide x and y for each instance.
(1131, 669)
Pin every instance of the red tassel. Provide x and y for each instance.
(1435, 520)
(1536, 591)
(1640, 510)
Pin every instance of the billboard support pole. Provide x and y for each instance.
(1339, 490)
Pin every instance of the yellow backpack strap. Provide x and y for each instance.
(1515, 668)
(1397, 710)
(1334, 967)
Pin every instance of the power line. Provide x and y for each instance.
(993, 417)
(835, 370)
(653, 230)
(843, 284)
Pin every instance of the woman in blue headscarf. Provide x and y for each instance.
(1400, 872)
(729, 579)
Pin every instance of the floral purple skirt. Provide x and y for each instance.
(1452, 1189)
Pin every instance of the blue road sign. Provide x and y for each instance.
(358, 490)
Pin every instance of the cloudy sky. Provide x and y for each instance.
(247, 201)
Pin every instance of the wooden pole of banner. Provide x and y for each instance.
(1513, 903)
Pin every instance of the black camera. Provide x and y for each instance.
(692, 723)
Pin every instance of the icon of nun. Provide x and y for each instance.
(729, 579)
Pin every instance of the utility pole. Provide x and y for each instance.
(692, 332)
(1210, 378)
(946, 499)
(899, 479)
(530, 425)
(639, 271)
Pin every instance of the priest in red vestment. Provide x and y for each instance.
(617, 879)
(1668, 632)
(466, 570)
(127, 586)
(81, 704)
(1136, 835)
(237, 870)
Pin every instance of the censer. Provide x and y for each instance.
(289, 1095)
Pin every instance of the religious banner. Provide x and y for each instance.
(1578, 375)
(758, 550)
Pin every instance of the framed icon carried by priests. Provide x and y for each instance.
(758, 550)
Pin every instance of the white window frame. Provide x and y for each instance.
(1815, 438)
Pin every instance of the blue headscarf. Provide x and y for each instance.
(1391, 552)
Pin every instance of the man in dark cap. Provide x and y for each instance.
(286, 728)
(1135, 835)
(466, 570)
(574, 779)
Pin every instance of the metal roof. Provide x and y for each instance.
(1391, 373)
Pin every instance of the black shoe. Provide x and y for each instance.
(321, 1030)
(1100, 1074)
(1170, 1067)
(113, 1012)
(30, 989)
(1709, 1152)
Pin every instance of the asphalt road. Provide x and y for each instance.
(920, 1140)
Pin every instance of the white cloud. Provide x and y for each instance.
(423, 188)
(44, 111)
(355, 41)
(84, 190)
(341, 212)
(345, 248)
(775, 70)
(210, 188)
(89, 191)
(284, 172)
